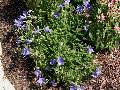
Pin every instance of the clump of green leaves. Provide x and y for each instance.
(60, 37)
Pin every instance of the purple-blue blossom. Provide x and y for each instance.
(24, 27)
(87, 4)
(61, 6)
(72, 87)
(18, 23)
(66, 1)
(37, 73)
(25, 52)
(78, 87)
(28, 41)
(41, 80)
(56, 14)
(37, 30)
(23, 16)
(53, 83)
(47, 29)
(97, 72)
(90, 49)
(52, 62)
(60, 60)
(79, 9)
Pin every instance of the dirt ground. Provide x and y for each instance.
(20, 71)
(17, 71)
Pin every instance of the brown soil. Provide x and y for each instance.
(110, 77)
(20, 71)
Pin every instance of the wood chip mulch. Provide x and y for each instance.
(110, 77)
(19, 72)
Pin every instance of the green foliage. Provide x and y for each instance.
(67, 38)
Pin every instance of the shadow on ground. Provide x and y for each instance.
(10, 9)
(17, 69)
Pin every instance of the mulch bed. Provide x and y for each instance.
(20, 71)
(110, 77)
(17, 70)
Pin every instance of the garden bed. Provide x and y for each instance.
(20, 71)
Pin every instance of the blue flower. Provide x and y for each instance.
(72, 87)
(53, 83)
(23, 16)
(80, 88)
(87, 4)
(18, 23)
(60, 61)
(66, 1)
(37, 30)
(90, 49)
(47, 29)
(24, 27)
(56, 14)
(37, 72)
(97, 72)
(25, 52)
(41, 80)
(28, 41)
(61, 6)
(52, 62)
(79, 9)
